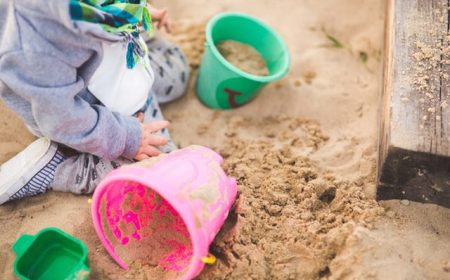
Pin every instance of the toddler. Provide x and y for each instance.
(86, 79)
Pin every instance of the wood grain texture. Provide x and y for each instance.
(414, 142)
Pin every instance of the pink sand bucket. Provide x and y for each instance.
(164, 212)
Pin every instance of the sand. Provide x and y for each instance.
(244, 57)
(304, 154)
(291, 217)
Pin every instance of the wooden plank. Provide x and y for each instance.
(414, 141)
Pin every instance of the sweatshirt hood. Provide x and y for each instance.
(59, 10)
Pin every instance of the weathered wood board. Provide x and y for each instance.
(414, 142)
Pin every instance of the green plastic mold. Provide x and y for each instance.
(50, 254)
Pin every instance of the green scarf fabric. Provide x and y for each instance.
(121, 17)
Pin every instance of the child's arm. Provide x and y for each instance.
(52, 86)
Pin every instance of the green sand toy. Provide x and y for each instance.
(220, 84)
(50, 255)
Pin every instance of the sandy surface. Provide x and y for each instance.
(244, 57)
(303, 152)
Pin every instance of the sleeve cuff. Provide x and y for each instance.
(133, 140)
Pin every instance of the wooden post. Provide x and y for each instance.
(414, 141)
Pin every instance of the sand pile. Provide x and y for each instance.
(291, 219)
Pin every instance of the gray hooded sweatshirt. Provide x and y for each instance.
(46, 61)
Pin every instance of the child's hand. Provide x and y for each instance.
(149, 141)
(160, 16)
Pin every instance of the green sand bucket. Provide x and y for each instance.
(220, 84)
(50, 255)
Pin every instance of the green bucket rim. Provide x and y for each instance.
(262, 79)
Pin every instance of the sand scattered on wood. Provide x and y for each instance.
(431, 66)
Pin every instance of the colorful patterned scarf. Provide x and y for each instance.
(121, 17)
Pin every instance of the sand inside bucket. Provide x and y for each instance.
(146, 232)
(244, 57)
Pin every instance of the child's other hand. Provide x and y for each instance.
(161, 17)
(149, 141)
